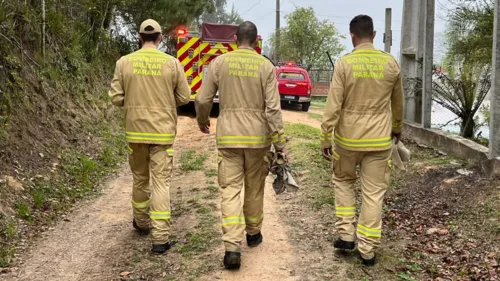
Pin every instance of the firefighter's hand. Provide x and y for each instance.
(327, 153)
(396, 136)
(205, 129)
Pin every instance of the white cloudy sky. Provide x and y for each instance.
(262, 13)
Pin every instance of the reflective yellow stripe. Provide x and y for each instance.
(188, 45)
(336, 156)
(390, 163)
(155, 215)
(130, 150)
(397, 124)
(255, 220)
(141, 205)
(370, 55)
(381, 142)
(246, 51)
(243, 140)
(233, 220)
(325, 136)
(369, 232)
(149, 137)
(170, 152)
(345, 210)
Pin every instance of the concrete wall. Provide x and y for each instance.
(459, 147)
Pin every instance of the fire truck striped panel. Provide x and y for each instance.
(195, 54)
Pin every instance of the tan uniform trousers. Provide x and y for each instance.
(151, 204)
(375, 173)
(238, 168)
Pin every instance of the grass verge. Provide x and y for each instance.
(430, 194)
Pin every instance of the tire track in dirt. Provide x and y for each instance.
(93, 242)
(275, 258)
(97, 239)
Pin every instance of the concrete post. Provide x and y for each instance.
(495, 89)
(408, 61)
(428, 63)
(388, 30)
(420, 60)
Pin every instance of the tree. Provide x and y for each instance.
(220, 15)
(470, 32)
(306, 39)
(467, 82)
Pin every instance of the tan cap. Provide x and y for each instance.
(150, 26)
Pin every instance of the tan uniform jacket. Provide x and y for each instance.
(149, 84)
(250, 113)
(365, 101)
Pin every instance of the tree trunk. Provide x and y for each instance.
(43, 31)
(467, 127)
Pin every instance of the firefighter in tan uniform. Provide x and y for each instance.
(249, 123)
(364, 112)
(150, 85)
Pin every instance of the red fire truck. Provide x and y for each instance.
(195, 51)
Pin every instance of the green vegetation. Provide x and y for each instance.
(305, 32)
(316, 116)
(210, 173)
(305, 148)
(302, 131)
(190, 161)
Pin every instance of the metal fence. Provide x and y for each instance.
(321, 75)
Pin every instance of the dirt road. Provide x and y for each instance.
(97, 242)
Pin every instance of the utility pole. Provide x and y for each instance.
(430, 6)
(388, 30)
(277, 47)
(495, 89)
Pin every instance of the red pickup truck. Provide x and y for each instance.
(294, 85)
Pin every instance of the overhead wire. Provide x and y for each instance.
(251, 8)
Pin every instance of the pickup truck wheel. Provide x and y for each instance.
(305, 106)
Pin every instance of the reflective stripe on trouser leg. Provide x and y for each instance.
(255, 180)
(375, 174)
(231, 168)
(344, 177)
(161, 170)
(139, 165)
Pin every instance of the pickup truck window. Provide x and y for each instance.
(291, 76)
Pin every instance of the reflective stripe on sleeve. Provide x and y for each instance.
(369, 232)
(170, 152)
(233, 220)
(345, 211)
(135, 136)
(325, 136)
(155, 215)
(141, 205)
(397, 124)
(364, 143)
(279, 138)
(336, 156)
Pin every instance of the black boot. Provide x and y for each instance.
(343, 245)
(254, 240)
(369, 262)
(141, 231)
(162, 248)
(232, 260)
